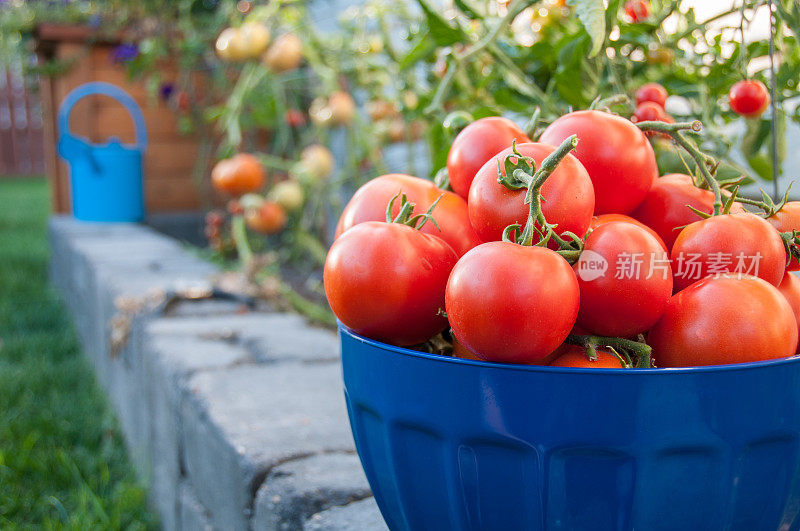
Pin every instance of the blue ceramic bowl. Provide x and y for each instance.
(457, 444)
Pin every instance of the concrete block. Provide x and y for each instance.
(296, 490)
(241, 422)
(271, 337)
(363, 515)
(167, 360)
(192, 515)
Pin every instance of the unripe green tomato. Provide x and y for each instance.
(342, 108)
(660, 56)
(320, 113)
(286, 53)
(230, 46)
(381, 110)
(288, 194)
(256, 38)
(249, 201)
(316, 162)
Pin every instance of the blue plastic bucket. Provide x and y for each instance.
(456, 444)
(106, 179)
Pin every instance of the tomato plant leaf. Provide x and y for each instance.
(468, 9)
(789, 12)
(422, 48)
(762, 165)
(439, 138)
(443, 33)
(756, 132)
(592, 14)
(577, 77)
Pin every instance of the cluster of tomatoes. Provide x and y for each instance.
(251, 41)
(651, 99)
(243, 179)
(568, 250)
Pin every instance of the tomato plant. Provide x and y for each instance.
(724, 320)
(617, 155)
(413, 69)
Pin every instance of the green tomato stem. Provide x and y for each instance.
(239, 235)
(533, 122)
(456, 60)
(702, 160)
(533, 197)
(642, 351)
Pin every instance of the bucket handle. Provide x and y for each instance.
(106, 89)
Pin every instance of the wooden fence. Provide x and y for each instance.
(21, 138)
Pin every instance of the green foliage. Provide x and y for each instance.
(483, 57)
(62, 459)
(592, 14)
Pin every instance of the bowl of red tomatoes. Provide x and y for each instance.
(567, 340)
(451, 443)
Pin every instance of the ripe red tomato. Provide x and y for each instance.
(749, 98)
(294, 118)
(666, 210)
(637, 10)
(602, 219)
(387, 281)
(460, 351)
(575, 356)
(567, 196)
(477, 143)
(510, 303)
(625, 279)
(183, 101)
(649, 111)
(617, 155)
(269, 218)
(724, 320)
(652, 92)
(790, 289)
(238, 175)
(730, 243)
(785, 220)
(370, 201)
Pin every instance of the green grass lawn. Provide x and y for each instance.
(62, 461)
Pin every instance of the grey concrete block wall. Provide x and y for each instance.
(235, 420)
(287, 498)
